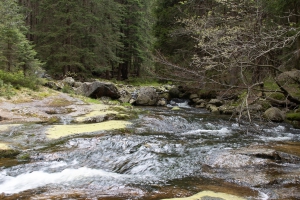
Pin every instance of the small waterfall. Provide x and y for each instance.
(65, 120)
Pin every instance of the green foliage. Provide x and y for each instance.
(18, 79)
(7, 90)
(91, 101)
(24, 157)
(293, 116)
(67, 89)
(16, 52)
(171, 39)
(92, 37)
(143, 81)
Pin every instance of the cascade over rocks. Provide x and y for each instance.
(98, 89)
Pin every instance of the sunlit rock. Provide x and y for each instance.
(209, 195)
(57, 131)
(176, 108)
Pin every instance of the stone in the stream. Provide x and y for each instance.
(175, 108)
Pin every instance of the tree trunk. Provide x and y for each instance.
(9, 56)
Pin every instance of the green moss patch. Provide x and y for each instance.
(8, 153)
(60, 102)
(293, 116)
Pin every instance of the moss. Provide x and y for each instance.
(293, 116)
(59, 131)
(23, 157)
(60, 102)
(8, 153)
(278, 96)
(53, 120)
(90, 100)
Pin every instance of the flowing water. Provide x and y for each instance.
(163, 154)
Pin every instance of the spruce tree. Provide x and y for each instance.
(16, 52)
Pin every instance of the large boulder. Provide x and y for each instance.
(290, 81)
(98, 89)
(274, 114)
(289, 77)
(147, 96)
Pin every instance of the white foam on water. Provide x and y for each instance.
(221, 131)
(279, 129)
(278, 138)
(36, 179)
(263, 196)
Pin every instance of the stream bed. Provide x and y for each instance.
(162, 154)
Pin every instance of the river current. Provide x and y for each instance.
(163, 154)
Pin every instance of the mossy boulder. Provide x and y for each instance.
(274, 114)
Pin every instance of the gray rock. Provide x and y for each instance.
(69, 81)
(227, 110)
(289, 76)
(193, 96)
(77, 84)
(212, 108)
(147, 96)
(98, 89)
(125, 96)
(132, 101)
(54, 85)
(174, 92)
(216, 102)
(162, 102)
(274, 114)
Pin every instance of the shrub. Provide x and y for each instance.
(18, 79)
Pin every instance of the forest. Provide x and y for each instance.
(224, 43)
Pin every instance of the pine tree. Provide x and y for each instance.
(16, 52)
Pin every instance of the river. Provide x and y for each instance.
(162, 154)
